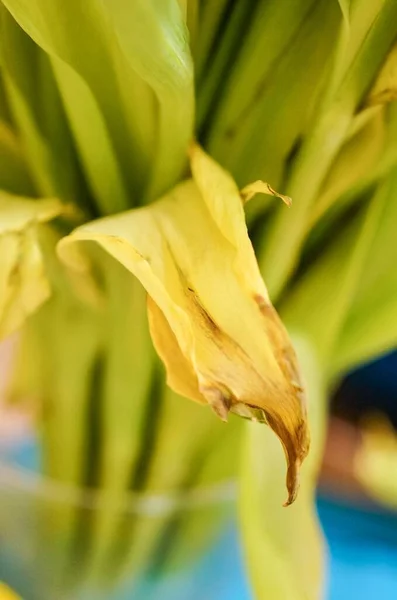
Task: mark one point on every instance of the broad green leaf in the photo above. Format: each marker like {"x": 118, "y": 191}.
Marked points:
{"x": 166, "y": 65}
{"x": 92, "y": 140}
{"x": 101, "y": 33}
{"x": 23, "y": 282}
{"x": 385, "y": 160}
{"x": 353, "y": 72}
{"x": 197, "y": 284}
{"x": 370, "y": 330}
{"x": 358, "y": 157}
{"x": 39, "y": 115}
{"x": 325, "y": 295}
{"x": 82, "y": 39}
{"x": 261, "y": 110}
{"x": 364, "y": 19}
{"x": 19, "y": 58}
{"x": 283, "y": 547}
{"x": 371, "y": 325}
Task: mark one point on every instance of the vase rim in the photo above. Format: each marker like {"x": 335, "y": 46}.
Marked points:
{"x": 13, "y": 477}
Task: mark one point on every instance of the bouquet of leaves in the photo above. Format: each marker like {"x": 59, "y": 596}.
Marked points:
{"x": 139, "y": 139}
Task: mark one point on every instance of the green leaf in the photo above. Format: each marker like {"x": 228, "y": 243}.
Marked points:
{"x": 371, "y": 325}
{"x": 357, "y": 160}
{"x": 115, "y": 36}
{"x": 39, "y": 116}
{"x": 320, "y": 302}
{"x": 348, "y": 182}
{"x": 357, "y": 62}
{"x": 92, "y": 140}
{"x": 79, "y": 38}
{"x": 166, "y": 65}
{"x": 19, "y": 58}
{"x": 266, "y": 95}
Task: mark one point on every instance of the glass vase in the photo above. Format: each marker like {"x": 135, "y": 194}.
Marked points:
{"x": 58, "y": 542}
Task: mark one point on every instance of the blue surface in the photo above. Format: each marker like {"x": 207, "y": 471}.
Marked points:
{"x": 229, "y": 582}
{"x": 362, "y": 562}
{"x": 363, "y": 552}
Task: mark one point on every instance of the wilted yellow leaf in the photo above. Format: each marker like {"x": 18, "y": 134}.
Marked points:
{"x": 210, "y": 315}
{"x": 23, "y": 284}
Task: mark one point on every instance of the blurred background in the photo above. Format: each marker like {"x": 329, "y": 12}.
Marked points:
{"x": 359, "y": 522}
{"x": 356, "y": 509}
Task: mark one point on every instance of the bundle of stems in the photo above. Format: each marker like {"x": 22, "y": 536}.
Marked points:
{"x": 107, "y": 199}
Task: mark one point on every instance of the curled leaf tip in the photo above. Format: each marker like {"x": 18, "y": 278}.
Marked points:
{"x": 295, "y": 440}
{"x": 292, "y": 484}
{"x": 261, "y": 187}
{"x": 294, "y": 461}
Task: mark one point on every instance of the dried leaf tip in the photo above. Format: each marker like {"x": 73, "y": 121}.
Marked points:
{"x": 261, "y": 187}
{"x": 292, "y": 483}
